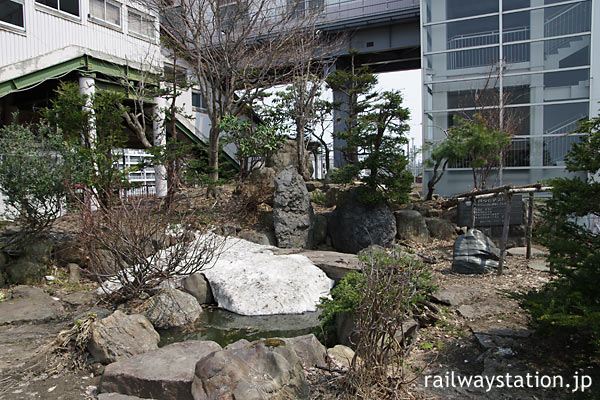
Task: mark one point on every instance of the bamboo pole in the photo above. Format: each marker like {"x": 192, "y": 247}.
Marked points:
{"x": 508, "y": 197}
{"x": 529, "y": 225}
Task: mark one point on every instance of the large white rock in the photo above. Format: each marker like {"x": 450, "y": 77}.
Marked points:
{"x": 248, "y": 279}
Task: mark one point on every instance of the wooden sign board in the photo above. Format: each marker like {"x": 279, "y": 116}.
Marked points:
{"x": 490, "y": 211}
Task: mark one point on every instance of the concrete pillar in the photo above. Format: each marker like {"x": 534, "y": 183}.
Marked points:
{"x": 160, "y": 139}
{"x": 537, "y": 60}
{"x": 87, "y": 86}
{"x": 339, "y": 125}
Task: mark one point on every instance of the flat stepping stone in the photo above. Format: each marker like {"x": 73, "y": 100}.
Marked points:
{"x": 29, "y": 304}
{"x": 335, "y": 265}
{"x": 166, "y": 373}
{"x": 479, "y": 310}
{"x": 504, "y": 329}
{"x": 454, "y": 295}
{"x": 522, "y": 252}
{"x": 539, "y": 265}
{"x": 117, "y": 396}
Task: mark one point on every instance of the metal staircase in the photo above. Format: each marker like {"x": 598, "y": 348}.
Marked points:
{"x": 574, "y": 18}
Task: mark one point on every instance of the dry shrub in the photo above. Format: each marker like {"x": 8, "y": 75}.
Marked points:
{"x": 137, "y": 243}
{"x": 251, "y": 196}
{"x": 71, "y": 344}
{"x": 392, "y": 285}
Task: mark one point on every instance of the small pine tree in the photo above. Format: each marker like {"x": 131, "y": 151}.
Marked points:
{"x": 375, "y": 139}
{"x": 570, "y": 303}
{"x": 481, "y": 145}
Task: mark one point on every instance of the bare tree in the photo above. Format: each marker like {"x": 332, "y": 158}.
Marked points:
{"x": 237, "y": 49}
{"x": 322, "y": 126}
{"x": 135, "y": 244}
{"x": 490, "y": 103}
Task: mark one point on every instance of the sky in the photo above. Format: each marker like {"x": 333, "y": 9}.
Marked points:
{"x": 409, "y": 83}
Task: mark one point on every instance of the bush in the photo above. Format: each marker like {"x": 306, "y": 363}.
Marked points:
{"x": 380, "y": 298}
{"x": 136, "y": 244}
{"x": 32, "y": 175}
{"x": 570, "y": 303}
{"x": 375, "y": 138}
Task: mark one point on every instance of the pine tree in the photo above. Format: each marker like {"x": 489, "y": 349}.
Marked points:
{"x": 570, "y": 303}
{"x": 375, "y": 138}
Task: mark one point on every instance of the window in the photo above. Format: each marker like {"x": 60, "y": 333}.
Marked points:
{"x": 68, "y": 6}
{"x": 106, "y": 11}
{"x": 12, "y": 13}
{"x": 198, "y": 101}
{"x": 180, "y": 76}
{"x": 231, "y": 12}
{"x": 304, "y": 8}
{"x": 140, "y": 24}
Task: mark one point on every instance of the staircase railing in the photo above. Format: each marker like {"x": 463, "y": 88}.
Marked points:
{"x": 567, "y": 126}
{"x": 575, "y": 18}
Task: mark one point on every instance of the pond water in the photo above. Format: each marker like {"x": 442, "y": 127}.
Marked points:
{"x": 225, "y": 327}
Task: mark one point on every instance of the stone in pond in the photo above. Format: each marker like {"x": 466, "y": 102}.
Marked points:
{"x": 248, "y": 279}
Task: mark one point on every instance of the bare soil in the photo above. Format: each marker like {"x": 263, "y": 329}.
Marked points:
{"x": 483, "y": 332}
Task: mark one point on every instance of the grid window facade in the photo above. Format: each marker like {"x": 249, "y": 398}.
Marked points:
{"x": 526, "y": 59}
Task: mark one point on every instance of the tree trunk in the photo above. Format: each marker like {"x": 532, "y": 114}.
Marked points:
{"x": 301, "y": 149}
{"x": 435, "y": 178}
{"x": 213, "y": 153}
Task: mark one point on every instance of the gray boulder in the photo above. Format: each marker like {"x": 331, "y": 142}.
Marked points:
{"x": 475, "y": 253}
{"x": 25, "y": 271}
{"x": 264, "y": 238}
{"x": 266, "y": 369}
{"x": 353, "y": 225}
{"x": 293, "y": 216}
{"x": 320, "y": 229}
{"x": 29, "y": 304}
{"x": 308, "y": 349}
{"x": 441, "y": 229}
{"x": 120, "y": 336}
{"x": 335, "y": 265}
{"x": 198, "y": 286}
{"x": 287, "y": 156}
{"x": 410, "y": 225}
{"x": 166, "y": 373}
{"x": 341, "y": 355}
{"x": 263, "y": 176}
{"x": 171, "y": 308}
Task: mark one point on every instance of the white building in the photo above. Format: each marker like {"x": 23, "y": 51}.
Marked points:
{"x": 537, "y": 59}
{"x": 94, "y": 42}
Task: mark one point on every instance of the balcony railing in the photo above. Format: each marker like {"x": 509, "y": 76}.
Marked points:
{"x": 575, "y": 18}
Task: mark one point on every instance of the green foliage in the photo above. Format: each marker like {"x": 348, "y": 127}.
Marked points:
{"x": 68, "y": 113}
{"x": 32, "y": 175}
{"x": 480, "y": 145}
{"x": 570, "y": 303}
{"x": 376, "y": 125}
{"x": 89, "y": 154}
{"x": 349, "y": 294}
{"x": 345, "y": 297}
{"x": 254, "y": 142}
{"x": 319, "y": 197}
{"x": 378, "y": 141}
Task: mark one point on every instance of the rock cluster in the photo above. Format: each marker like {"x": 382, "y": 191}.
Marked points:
{"x": 353, "y": 226}
{"x": 202, "y": 370}
{"x": 474, "y": 253}
{"x": 293, "y": 217}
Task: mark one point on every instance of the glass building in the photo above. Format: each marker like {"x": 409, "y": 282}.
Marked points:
{"x": 529, "y": 63}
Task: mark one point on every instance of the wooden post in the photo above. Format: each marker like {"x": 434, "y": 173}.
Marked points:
{"x": 472, "y": 213}
{"x": 529, "y": 225}
{"x": 508, "y": 197}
